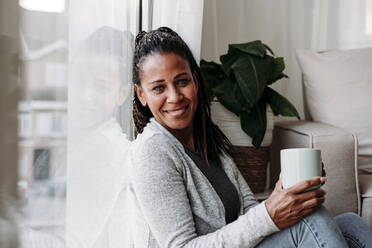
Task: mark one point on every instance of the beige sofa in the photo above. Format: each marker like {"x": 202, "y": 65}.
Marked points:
{"x": 338, "y": 107}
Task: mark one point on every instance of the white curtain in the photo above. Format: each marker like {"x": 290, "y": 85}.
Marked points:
{"x": 184, "y": 17}
{"x": 286, "y": 25}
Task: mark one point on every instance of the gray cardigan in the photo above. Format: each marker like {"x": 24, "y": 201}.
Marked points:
{"x": 176, "y": 206}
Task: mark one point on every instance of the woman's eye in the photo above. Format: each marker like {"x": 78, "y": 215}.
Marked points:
{"x": 158, "y": 89}
{"x": 183, "y": 81}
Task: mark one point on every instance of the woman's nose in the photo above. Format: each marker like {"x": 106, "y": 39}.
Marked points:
{"x": 174, "y": 95}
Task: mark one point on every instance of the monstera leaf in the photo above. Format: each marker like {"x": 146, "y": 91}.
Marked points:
{"x": 213, "y": 75}
{"x": 254, "y": 123}
{"x": 241, "y": 82}
{"x": 277, "y": 71}
{"x": 248, "y": 72}
{"x": 279, "y": 104}
{"x": 225, "y": 93}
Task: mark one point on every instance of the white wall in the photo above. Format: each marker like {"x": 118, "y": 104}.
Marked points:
{"x": 285, "y": 25}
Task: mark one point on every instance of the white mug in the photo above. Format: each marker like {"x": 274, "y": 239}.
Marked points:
{"x": 299, "y": 164}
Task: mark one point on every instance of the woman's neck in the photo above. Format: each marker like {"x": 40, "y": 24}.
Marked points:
{"x": 185, "y": 136}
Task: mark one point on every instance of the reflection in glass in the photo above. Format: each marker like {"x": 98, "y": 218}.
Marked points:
{"x": 98, "y": 93}
{"x": 74, "y": 121}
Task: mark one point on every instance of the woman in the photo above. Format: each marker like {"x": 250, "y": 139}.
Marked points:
{"x": 187, "y": 190}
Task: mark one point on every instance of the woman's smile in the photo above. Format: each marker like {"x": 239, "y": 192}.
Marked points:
{"x": 177, "y": 112}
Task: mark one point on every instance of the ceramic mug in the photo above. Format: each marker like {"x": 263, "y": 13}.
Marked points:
{"x": 299, "y": 164}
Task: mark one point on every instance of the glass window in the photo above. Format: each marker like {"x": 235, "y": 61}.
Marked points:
{"x": 74, "y": 120}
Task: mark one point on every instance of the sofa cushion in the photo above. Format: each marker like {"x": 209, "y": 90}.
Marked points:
{"x": 338, "y": 91}
{"x": 365, "y": 183}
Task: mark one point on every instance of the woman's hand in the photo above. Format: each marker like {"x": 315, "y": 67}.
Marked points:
{"x": 288, "y": 206}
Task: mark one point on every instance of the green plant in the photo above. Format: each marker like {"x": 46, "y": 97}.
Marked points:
{"x": 241, "y": 84}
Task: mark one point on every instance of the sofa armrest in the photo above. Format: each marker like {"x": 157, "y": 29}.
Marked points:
{"x": 339, "y": 154}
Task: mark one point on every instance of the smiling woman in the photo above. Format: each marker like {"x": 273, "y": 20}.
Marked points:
{"x": 186, "y": 189}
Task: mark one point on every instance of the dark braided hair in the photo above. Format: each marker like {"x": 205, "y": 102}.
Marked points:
{"x": 207, "y": 136}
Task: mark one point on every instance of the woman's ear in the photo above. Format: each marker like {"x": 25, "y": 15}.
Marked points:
{"x": 140, "y": 94}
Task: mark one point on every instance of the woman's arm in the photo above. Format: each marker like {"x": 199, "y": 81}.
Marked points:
{"x": 159, "y": 187}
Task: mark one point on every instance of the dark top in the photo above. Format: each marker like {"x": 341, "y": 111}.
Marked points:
{"x": 221, "y": 184}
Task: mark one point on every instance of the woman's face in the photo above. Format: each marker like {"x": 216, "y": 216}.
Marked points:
{"x": 169, "y": 89}
{"x": 97, "y": 91}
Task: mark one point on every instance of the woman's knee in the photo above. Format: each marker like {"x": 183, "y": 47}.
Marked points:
{"x": 347, "y": 217}
{"x": 354, "y": 229}
{"x": 347, "y": 221}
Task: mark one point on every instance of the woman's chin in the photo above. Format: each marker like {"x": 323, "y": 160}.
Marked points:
{"x": 178, "y": 126}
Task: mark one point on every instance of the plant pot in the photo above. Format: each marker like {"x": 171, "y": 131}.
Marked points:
{"x": 229, "y": 123}
{"x": 251, "y": 162}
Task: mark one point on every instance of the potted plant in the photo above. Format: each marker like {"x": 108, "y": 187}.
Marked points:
{"x": 241, "y": 83}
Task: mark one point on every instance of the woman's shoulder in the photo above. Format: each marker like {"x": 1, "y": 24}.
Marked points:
{"x": 152, "y": 142}
{"x": 153, "y": 152}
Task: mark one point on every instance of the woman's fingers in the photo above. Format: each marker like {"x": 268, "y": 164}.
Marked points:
{"x": 317, "y": 193}
{"x": 304, "y": 185}
{"x": 312, "y": 203}
{"x": 306, "y": 212}
{"x": 301, "y": 210}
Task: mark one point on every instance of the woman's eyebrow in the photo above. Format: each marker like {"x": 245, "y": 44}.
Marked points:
{"x": 180, "y": 74}
{"x": 157, "y": 81}
{"x": 162, "y": 80}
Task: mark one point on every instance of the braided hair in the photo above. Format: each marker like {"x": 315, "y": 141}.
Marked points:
{"x": 207, "y": 136}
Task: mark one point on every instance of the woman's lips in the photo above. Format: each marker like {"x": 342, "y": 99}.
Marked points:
{"x": 177, "y": 112}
